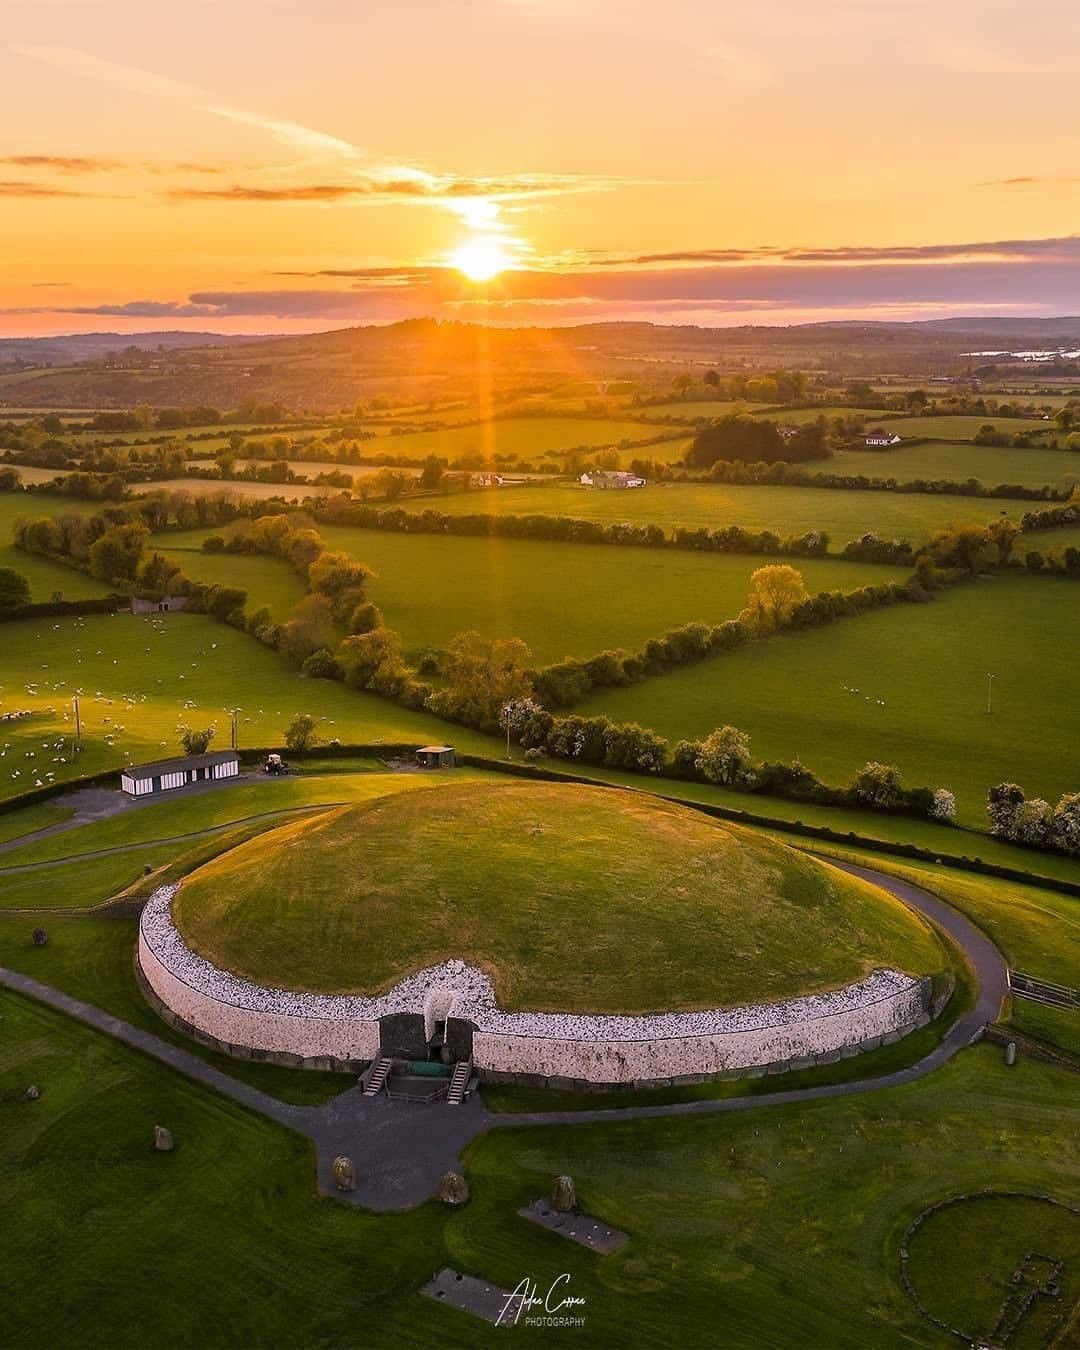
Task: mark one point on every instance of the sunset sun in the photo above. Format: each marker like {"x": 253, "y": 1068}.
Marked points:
{"x": 480, "y": 259}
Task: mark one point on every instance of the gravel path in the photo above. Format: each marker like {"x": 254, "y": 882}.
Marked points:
{"x": 401, "y": 1150}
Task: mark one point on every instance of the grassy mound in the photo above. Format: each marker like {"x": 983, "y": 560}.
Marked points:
{"x": 572, "y": 898}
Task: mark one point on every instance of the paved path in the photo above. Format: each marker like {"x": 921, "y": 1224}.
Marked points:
{"x": 401, "y": 1149}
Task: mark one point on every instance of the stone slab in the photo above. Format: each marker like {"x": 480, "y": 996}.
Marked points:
{"x": 578, "y": 1227}
{"x": 468, "y": 1294}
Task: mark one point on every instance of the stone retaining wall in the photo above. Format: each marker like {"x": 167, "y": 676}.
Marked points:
{"x": 568, "y": 1049}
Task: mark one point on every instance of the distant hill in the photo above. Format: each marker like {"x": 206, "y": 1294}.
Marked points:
{"x": 67, "y": 349}
{"x": 425, "y": 361}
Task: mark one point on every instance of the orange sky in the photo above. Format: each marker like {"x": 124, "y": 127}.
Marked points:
{"x": 259, "y": 166}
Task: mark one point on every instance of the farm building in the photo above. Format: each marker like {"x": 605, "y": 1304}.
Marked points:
{"x": 611, "y": 478}
{"x": 879, "y": 438}
{"x": 139, "y": 780}
{"x": 435, "y": 757}
{"x": 162, "y": 606}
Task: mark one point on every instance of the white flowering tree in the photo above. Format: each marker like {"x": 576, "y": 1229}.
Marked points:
{"x": 943, "y": 807}
{"x": 1066, "y": 824}
{"x": 724, "y": 755}
{"x": 878, "y": 785}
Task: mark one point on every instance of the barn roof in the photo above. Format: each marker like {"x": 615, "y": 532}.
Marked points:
{"x": 160, "y": 766}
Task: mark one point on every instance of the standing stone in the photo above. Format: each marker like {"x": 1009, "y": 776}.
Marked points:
{"x": 1010, "y": 1053}
{"x": 563, "y": 1195}
{"x": 39, "y": 937}
{"x": 163, "y": 1140}
{"x": 33, "y": 1092}
{"x": 344, "y": 1173}
{"x": 453, "y": 1189}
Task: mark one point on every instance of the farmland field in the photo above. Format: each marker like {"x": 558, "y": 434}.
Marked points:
{"x": 842, "y": 514}
{"x": 526, "y": 437}
{"x": 794, "y": 417}
{"x": 44, "y": 577}
{"x": 140, "y": 678}
{"x": 563, "y": 599}
{"x": 928, "y": 667}
{"x": 964, "y": 427}
{"x": 960, "y": 460}
{"x": 1050, "y": 541}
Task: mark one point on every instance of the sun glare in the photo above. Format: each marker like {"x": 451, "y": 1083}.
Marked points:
{"x": 480, "y": 259}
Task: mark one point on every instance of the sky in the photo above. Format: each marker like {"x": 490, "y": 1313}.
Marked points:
{"x": 253, "y": 166}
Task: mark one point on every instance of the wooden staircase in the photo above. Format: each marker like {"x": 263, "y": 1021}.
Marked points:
{"x": 459, "y": 1081}
{"x": 379, "y": 1074}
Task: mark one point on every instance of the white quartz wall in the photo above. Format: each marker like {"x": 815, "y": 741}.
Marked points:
{"x": 598, "y": 1049}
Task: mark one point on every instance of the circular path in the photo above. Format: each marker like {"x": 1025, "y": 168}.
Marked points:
{"x": 401, "y": 1150}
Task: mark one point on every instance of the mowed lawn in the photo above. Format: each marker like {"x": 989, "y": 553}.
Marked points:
{"x": 735, "y": 1220}
{"x": 613, "y": 896}
{"x": 920, "y": 678}
{"x": 842, "y": 514}
{"x": 563, "y": 599}
{"x": 140, "y": 679}
{"x": 959, "y": 461}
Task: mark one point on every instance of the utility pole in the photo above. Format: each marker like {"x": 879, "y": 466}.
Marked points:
{"x": 989, "y": 693}
{"x": 232, "y": 730}
{"x": 78, "y": 721}
{"x": 506, "y": 723}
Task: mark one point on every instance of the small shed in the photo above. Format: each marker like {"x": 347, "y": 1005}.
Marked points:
{"x": 435, "y": 757}
{"x": 139, "y": 780}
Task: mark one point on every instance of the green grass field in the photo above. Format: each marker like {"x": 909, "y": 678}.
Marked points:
{"x": 963, "y": 428}
{"x": 268, "y": 581}
{"x": 141, "y": 678}
{"x": 1050, "y": 541}
{"x": 527, "y": 437}
{"x": 563, "y": 599}
{"x": 608, "y": 891}
{"x": 960, "y": 460}
{"x": 928, "y": 664}
{"x": 735, "y": 1221}
{"x": 44, "y": 577}
{"x": 843, "y": 515}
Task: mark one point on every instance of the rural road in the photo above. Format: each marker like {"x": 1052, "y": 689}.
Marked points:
{"x": 401, "y": 1150}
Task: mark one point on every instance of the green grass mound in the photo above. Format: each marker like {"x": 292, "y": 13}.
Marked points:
{"x": 571, "y": 898}
{"x": 1001, "y": 1269}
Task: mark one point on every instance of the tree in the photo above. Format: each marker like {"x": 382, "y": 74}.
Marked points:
{"x": 309, "y": 627}
{"x": 158, "y": 574}
{"x": 1002, "y": 804}
{"x": 775, "y": 591}
{"x": 724, "y": 756}
{"x": 117, "y": 554}
{"x": 1065, "y": 831}
{"x": 432, "y": 472}
{"x": 14, "y": 590}
{"x": 878, "y": 785}
{"x": 482, "y": 677}
{"x": 300, "y": 735}
{"x": 196, "y": 742}
{"x": 943, "y": 807}
{"x": 1003, "y": 533}
{"x": 371, "y": 659}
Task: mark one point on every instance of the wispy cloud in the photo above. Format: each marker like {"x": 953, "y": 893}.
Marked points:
{"x": 1027, "y": 180}
{"x": 1064, "y": 247}
{"x": 62, "y": 163}
{"x": 1022, "y": 276}
{"x": 425, "y": 188}
{"x": 15, "y": 188}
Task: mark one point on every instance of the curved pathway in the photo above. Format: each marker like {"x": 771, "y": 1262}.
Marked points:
{"x": 141, "y": 844}
{"x": 401, "y": 1150}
